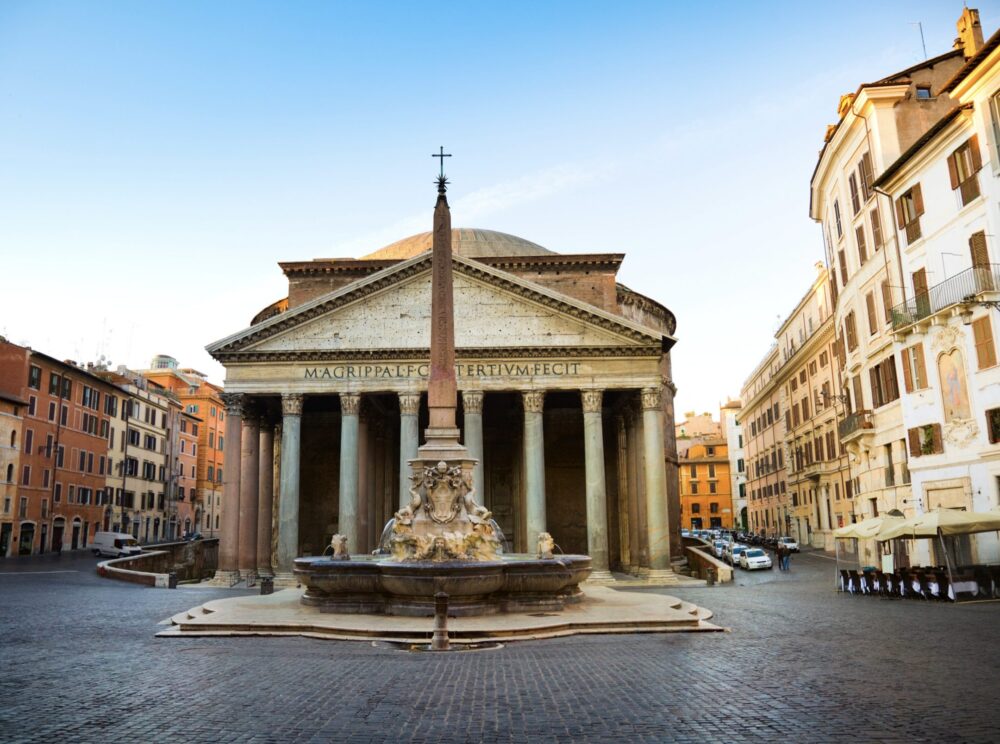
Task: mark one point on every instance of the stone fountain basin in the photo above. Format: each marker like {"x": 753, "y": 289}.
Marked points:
{"x": 370, "y": 584}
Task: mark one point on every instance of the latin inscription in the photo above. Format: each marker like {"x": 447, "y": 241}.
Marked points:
{"x": 462, "y": 370}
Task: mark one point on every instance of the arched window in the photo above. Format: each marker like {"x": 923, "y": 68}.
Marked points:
{"x": 13, "y": 439}
{"x": 10, "y": 473}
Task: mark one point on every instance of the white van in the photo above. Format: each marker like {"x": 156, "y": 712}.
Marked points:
{"x": 115, "y": 544}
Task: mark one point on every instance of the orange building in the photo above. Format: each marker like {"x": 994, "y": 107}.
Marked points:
{"x": 186, "y": 468}
{"x": 706, "y": 488}
{"x": 201, "y": 400}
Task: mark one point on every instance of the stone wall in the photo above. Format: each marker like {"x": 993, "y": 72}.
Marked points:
{"x": 191, "y": 561}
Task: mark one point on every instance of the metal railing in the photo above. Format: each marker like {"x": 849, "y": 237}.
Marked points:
{"x": 854, "y": 423}
{"x": 963, "y": 286}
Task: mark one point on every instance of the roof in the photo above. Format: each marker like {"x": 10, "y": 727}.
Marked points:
{"x": 991, "y": 43}
{"x": 913, "y": 149}
{"x": 468, "y": 242}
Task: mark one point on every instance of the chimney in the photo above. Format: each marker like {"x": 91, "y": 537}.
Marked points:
{"x": 970, "y": 33}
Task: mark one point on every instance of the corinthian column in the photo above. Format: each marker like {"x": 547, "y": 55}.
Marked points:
{"x": 657, "y": 527}
{"x": 229, "y": 540}
{"x": 409, "y": 440}
{"x": 347, "y": 515}
{"x": 288, "y": 503}
{"x": 597, "y": 507}
{"x": 472, "y": 404}
{"x": 266, "y": 499}
{"x": 534, "y": 465}
{"x": 249, "y": 482}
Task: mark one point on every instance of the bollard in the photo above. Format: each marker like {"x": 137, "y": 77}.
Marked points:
{"x": 439, "y": 642}
{"x": 172, "y": 580}
{"x": 710, "y": 575}
{"x": 266, "y": 585}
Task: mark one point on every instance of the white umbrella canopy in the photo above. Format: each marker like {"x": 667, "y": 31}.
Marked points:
{"x": 868, "y": 528}
{"x": 943, "y": 522}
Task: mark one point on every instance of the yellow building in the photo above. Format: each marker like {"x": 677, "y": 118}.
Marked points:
{"x": 706, "y": 487}
{"x": 11, "y": 408}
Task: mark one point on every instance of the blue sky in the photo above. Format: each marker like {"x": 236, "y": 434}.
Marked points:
{"x": 153, "y": 155}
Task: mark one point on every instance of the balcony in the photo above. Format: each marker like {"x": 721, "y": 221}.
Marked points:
{"x": 854, "y": 425}
{"x": 962, "y": 287}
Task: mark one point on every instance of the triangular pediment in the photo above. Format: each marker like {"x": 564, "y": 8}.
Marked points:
{"x": 390, "y": 310}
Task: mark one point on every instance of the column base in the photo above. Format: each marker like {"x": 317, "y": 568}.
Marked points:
{"x": 265, "y": 572}
{"x": 226, "y": 579}
{"x": 601, "y": 576}
{"x": 661, "y": 576}
{"x": 284, "y": 580}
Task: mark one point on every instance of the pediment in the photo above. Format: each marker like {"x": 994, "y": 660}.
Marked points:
{"x": 390, "y": 310}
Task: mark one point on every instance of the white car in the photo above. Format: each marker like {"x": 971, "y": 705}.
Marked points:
{"x": 719, "y": 548}
{"x": 733, "y": 551}
{"x": 755, "y": 558}
{"x": 789, "y": 543}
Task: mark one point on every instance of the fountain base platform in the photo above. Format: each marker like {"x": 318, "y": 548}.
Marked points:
{"x": 373, "y": 585}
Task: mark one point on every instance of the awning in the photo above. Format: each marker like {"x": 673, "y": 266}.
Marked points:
{"x": 868, "y": 528}
{"x": 943, "y": 522}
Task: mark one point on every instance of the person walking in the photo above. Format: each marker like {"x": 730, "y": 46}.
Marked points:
{"x": 779, "y": 556}
{"x": 787, "y": 558}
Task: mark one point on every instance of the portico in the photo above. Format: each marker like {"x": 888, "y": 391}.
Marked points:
{"x": 564, "y": 403}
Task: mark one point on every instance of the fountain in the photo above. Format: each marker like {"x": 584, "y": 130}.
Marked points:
{"x": 442, "y": 540}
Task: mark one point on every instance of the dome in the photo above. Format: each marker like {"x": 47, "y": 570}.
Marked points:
{"x": 468, "y": 242}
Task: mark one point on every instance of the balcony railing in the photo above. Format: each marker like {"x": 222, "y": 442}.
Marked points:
{"x": 963, "y": 286}
{"x": 854, "y": 424}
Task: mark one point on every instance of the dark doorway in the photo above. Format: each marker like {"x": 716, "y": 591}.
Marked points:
{"x": 26, "y": 539}
{"x": 76, "y": 537}
{"x": 5, "y": 531}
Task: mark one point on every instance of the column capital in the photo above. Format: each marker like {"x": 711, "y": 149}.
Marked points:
{"x": 349, "y": 404}
{"x": 534, "y": 400}
{"x": 592, "y": 400}
{"x": 472, "y": 401}
{"x": 409, "y": 404}
{"x": 234, "y": 403}
{"x": 652, "y": 398}
{"x": 291, "y": 404}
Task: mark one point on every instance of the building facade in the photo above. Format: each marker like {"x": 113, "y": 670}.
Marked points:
{"x": 729, "y": 418}
{"x": 705, "y": 485}
{"x": 11, "y": 420}
{"x": 564, "y": 377}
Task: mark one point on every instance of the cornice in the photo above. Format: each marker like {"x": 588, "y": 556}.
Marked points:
{"x": 422, "y": 355}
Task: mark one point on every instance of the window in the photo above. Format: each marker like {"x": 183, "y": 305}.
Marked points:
{"x": 909, "y": 207}
{"x": 884, "y": 385}
{"x": 711, "y": 470}
{"x": 862, "y": 248}
{"x": 982, "y": 332}
{"x": 53, "y": 383}
{"x": 963, "y": 165}
{"x": 992, "y": 425}
{"x": 212, "y": 409}
{"x": 995, "y": 121}
{"x": 850, "y": 331}
{"x": 713, "y": 507}
{"x": 923, "y": 94}
{"x": 982, "y": 271}
{"x": 866, "y": 175}
{"x": 887, "y": 301}
{"x": 694, "y": 472}
{"x": 26, "y": 476}
{"x": 852, "y": 183}
{"x": 694, "y": 487}
{"x": 211, "y": 472}
{"x": 211, "y": 439}
{"x": 877, "y": 240}
{"x": 914, "y": 371}
{"x": 34, "y": 377}
{"x": 29, "y": 440}
{"x": 67, "y": 388}
{"x": 872, "y": 313}
{"x": 836, "y": 218}
{"x": 842, "y": 260}
{"x": 925, "y": 440}
{"x": 713, "y": 487}
{"x": 52, "y": 411}
{"x": 920, "y": 294}
{"x": 696, "y": 508}
{"x": 710, "y": 451}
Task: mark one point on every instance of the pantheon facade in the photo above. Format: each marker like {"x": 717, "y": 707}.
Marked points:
{"x": 565, "y": 399}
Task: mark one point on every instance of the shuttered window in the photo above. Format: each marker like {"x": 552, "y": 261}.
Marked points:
{"x": 851, "y": 332}
{"x": 982, "y": 332}
{"x": 852, "y": 182}
{"x": 909, "y": 208}
{"x": 836, "y": 219}
{"x": 867, "y": 176}
{"x": 963, "y": 166}
{"x": 914, "y": 371}
{"x": 925, "y": 440}
{"x": 982, "y": 271}
{"x": 887, "y": 301}
{"x": 877, "y": 240}
{"x": 843, "y": 267}
{"x": 872, "y": 313}
{"x": 920, "y": 293}
{"x": 859, "y": 233}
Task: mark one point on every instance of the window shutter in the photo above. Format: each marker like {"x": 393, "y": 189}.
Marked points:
{"x": 891, "y": 379}
{"x": 866, "y": 173}
{"x": 982, "y": 333}
{"x": 862, "y": 248}
{"x": 953, "y": 171}
{"x": 977, "y": 158}
{"x": 876, "y": 229}
{"x": 872, "y": 317}
{"x": 876, "y": 397}
{"x": 977, "y": 246}
{"x": 918, "y": 355}
{"x": 937, "y": 445}
{"x": 887, "y": 301}
{"x": 918, "y": 199}
{"x": 859, "y": 401}
{"x": 913, "y": 435}
{"x": 900, "y": 214}
{"x": 907, "y": 355}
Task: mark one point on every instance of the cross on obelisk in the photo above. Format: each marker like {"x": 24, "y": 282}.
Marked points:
{"x": 442, "y": 388}
{"x": 442, "y": 155}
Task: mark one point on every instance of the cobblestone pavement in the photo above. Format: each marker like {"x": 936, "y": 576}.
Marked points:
{"x": 801, "y": 664}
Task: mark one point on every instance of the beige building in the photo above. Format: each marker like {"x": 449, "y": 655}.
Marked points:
{"x": 565, "y": 391}
{"x": 11, "y": 424}
{"x": 764, "y": 447}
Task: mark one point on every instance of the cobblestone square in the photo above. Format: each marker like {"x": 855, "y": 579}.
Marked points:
{"x": 801, "y": 663}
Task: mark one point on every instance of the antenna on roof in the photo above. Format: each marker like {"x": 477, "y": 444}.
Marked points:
{"x": 923, "y": 44}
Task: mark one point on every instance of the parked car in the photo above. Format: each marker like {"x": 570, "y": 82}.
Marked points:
{"x": 685, "y": 532}
{"x": 733, "y": 551}
{"x": 114, "y": 544}
{"x": 755, "y": 558}
{"x": 719, "y": 548}
{"x": 789, "y": 543}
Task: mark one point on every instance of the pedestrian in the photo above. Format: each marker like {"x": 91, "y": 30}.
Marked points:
{"x": 779, "y": 557}
{"x": 788, "y": 559}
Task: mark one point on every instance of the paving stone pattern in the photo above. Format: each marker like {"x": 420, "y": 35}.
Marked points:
{"x": 801, "y": 664}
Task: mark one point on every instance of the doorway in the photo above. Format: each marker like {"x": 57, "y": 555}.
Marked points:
{"x": 76, "y": 536}
{"x": 26, "y": 539}
{"x": 5, "y": 532}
